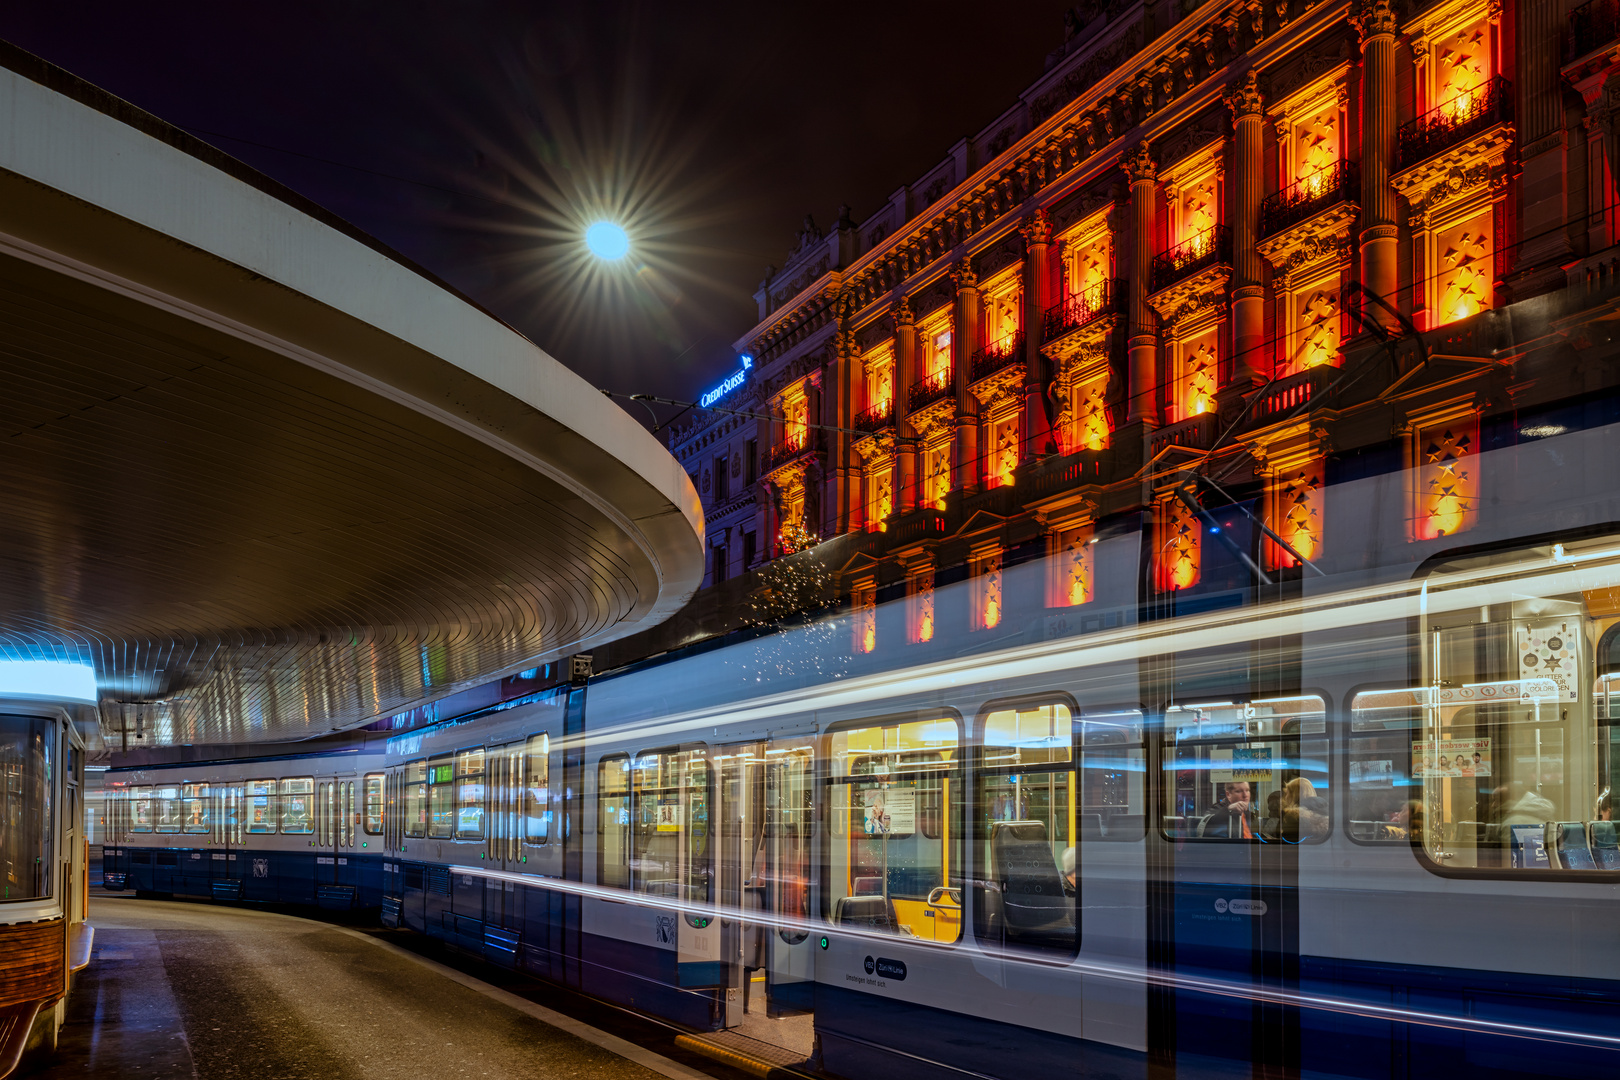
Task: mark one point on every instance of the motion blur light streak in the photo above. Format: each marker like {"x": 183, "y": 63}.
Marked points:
{"x": 607, "y": 241}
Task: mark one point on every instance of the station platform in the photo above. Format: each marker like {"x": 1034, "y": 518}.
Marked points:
{"x": 177, "y": 989}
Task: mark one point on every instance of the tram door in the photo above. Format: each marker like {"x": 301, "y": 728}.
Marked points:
{"x": 765, "y": 849}
{"x": 506, "y": 786}
{"x": 226, "y": 834}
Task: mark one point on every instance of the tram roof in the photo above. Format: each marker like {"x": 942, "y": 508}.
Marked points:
{"x": 268, "y": 477}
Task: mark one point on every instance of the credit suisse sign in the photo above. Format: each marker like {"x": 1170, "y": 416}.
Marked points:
{"x": 733, "y": 381}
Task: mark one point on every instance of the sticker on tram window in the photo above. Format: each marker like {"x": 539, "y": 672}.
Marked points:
{"x": 669, "y": 815}
{"x": 891, "y": 810}
{"x": 1241, "y": 765}
{"x": 1436, "y": 758}
{"x": 1549, "y": 654}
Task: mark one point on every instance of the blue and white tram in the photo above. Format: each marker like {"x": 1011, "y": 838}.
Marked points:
{"x": 1361, "y": 830}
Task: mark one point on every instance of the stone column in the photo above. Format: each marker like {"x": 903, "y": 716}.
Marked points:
{"x": 849, "y": 378}
{"x": 1142, "y": 327}
{"x": 1379, "y": 233}
{"x": 1040, "y": 293}
{"x": 1247, "y": 182}
{"x": 965, "y": 466}
{"x": 905, "y": 376}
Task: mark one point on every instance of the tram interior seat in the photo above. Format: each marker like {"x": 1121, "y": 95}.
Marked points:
{"x": 1567, "y": 840}
{"x": 1034, "y": 908}
{"x": 1126, "y": 826}
{"x": 1091, "y": 827}
{"x": 1605, "y": 845}
{"x": 869, "y": 885}
{"x": 870, "y": 912}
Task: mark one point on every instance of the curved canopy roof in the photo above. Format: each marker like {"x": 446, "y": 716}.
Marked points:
{"x": 270, "y": 479}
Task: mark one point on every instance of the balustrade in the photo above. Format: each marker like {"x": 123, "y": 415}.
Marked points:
{"x": 1212, "y": 247}
{"x": 1338, "y": 183}
{"x": 1454, "y": 122}
{"x": 1081, "y": 308}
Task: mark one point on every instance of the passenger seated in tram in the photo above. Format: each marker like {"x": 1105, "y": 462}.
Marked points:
{"x": 1069, "y": 888}
{"x": 1230, "y": 817}
{"x": 1518, "y": 805}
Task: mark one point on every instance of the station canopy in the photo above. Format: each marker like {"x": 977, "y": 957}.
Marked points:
{"x": 269, "y": 479}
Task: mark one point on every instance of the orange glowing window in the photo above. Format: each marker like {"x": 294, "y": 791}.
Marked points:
{"x": 795, "y": 417}
{"x": 938, "y": 358}
{"x": 1315, "y": 147}
{"x": 987, "y": 608}
{"x": 1180, "y": 546}
{"x": 1317, "y": 321}
{"x": 1083, "y": 423}
{"x": 1295, "y": 513}
{"x": 1447, "y": 478}
{"x": 1198, "y": 208}
{"x": 936, "y": 474}
{"x": 1196, "y": 378}
{"x": 1003, "y": 316}
{"x": 864, "y": 603}
{"x": 1464, "y": 281}
{"x": 879, "y": 496}
{"x": 1072, "y": 572}
{"x": 922, "y": 606}
{"x": 1002, "y": 459}
{"x": 1088, "y": 263}
{"x": 880, "y": 381}
{"x": 1461, "y": 66}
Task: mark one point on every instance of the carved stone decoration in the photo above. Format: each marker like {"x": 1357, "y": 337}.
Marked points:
{"x": 1037, "y": 228}
{"x": 1302, "y": 250}
{"x": 1192, "y": 137}
{"x": 962, "y": 275}
{"x": 1376, "y": 17}
{"x": 876, "y": 446}
{"x": 1244, "y": 98}
{"x": 996, "y": 386}
{"x": 902, "y": 314}
{"x": 1191, "y": 302}
{"x": 1138, "y": 163}
{"x": 1452, "y": 176}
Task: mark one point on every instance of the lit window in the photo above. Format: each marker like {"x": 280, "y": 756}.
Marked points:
{"x": 1180, "y": 547}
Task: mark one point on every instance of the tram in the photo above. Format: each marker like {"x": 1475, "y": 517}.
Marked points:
{"x": 1359, "y": 828}
{"x": 46, "y": 708}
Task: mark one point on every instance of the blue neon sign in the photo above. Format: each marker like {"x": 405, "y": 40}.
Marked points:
{"x": 732, "y": 382}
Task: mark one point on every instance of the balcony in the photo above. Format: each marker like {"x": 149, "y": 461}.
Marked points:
{"x": 1591, "y": 26}
{"x": 1104, "y": 298}
{"x": 998, "y": 354}
{"x": 927, "y": 391}
{"x": 876, "y": 418}
{"x": 1283, "y": 396}
{"x": 791, "y": 449}
{"x": 1338, "y": 183}
{"x": 1454, "y": 123}
{"x": 1193, "y": 433}
{"x": 1212, "y": 247}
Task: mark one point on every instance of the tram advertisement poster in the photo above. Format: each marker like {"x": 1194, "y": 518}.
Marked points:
{"x": 1243, "y": 764}
{"x": 1548, "y": 653}
{"x": 1437, "y": 758}
{"x": 890, "y": 810}
{"x": 669, "y": 815}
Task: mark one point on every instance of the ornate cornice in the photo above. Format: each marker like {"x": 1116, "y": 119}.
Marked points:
{"x": 1190, "y": 301}
{"x": 1297, "y": 252}
{"x": 1454, "y": 175}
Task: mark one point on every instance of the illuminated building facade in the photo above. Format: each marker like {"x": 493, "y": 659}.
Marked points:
{"x": 1133, "y": 301}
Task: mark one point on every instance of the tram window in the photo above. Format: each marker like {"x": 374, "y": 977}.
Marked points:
{"x": 372, "y": 814}
{"x": 1024, "y": 829}
{"x": 166, "y": 805}
{"x": 670, "y": 826}
{"x": 790, "y": 826}
{"x": 537, "y": 790}
{"x": 416, "y": 799}
{"x": 297, "y": 810}
{"x": 1508, "y": 743}
{"x": 1247, "y": 770}
{"x": 441, "y": 781}
{"x": 196, "y": 815}
{"x": 140, "y": 809}
{"x": 470, "y": 794}
{"x": 895, "y": 861}
{"x": 27, "y": 818}
{"x": 613, "y": 821}
{"x": 261, "y": 805}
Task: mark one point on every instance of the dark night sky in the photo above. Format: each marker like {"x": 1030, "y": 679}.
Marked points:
{"x": 478, "y": 138}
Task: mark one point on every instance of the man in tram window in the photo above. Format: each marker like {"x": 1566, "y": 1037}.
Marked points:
{"x": 1229, "y": 818}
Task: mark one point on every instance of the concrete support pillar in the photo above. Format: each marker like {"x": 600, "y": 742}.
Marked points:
{"x": 1246, "y": 186}
{"x": 907, "y": 448}
{"x": 1543, "y": 145}
{"x": 1142, "y": 327}
{"x": 1040, "y": 293}
{"x": 965, "y": 468}
{"x": 1379, "y": 232}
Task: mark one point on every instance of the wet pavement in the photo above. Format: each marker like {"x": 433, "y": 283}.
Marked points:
{"x": 197, "y": 990}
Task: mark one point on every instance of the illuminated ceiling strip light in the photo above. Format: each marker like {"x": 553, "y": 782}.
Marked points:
{"x": 48, "y": 680}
